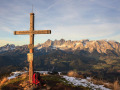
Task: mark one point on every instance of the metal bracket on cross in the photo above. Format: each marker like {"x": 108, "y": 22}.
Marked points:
{"x": 30, "y": 57}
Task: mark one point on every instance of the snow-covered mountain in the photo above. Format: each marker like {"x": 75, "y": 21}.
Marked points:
{"x": 7, "y": 47}
{"x": 100, "y": 45}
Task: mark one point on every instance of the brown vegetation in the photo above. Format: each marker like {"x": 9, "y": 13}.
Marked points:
{"x": 53, "y": 82}
{"x": 116, "y": 85}
{"x": 73, "y": 74}
{"x": 3, "y": 81}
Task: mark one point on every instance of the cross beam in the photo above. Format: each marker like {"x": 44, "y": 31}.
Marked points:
{"x": 31, "y": 32}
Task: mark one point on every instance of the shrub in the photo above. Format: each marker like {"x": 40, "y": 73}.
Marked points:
{"x": 3, "y": 81}
{"x": 116, "y": 85}
{"x": 73, "y": 74}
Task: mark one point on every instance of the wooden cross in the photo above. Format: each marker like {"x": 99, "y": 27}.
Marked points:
{"x": 31, "y": 32}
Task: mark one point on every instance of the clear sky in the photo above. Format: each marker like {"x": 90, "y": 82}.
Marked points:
{"x": 68, "y": 19}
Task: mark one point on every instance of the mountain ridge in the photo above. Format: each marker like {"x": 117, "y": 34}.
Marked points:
{"x": 64, "y": 55}
{"x": 90, "y": 45}
{"x": 100, "y": 45}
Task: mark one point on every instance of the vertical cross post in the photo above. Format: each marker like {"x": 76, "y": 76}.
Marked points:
{"x": 31, "y": 32}
{"x": 32, "y": 44}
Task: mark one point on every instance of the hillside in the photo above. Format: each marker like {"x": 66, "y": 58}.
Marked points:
{"x": 99, "y": 58}
{"x": 52, "y": 82}
{"x": 19, "y": 80}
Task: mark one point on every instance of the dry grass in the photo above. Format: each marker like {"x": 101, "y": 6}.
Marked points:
{"x": 3, "y": 81}
{"x": 116, "y": 85}
{"x": 25, "y": 75}
{"x": 113, "y": 86}
{"x": 108, "y": 85}
{"x": 73, "y": 74}
{"x": 99, "y": 82}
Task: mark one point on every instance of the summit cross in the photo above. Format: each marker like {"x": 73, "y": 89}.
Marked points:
{"x": 31, "y": 32}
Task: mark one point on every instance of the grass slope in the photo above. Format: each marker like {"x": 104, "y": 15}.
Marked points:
{"x": 55, "y": 82}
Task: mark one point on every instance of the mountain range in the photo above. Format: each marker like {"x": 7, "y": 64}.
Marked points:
{"x": 86, "y": 56}
{"x": 101, "y": 46}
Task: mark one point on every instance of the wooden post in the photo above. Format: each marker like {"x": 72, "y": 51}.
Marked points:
{"x": 32, "y": 44}
{"x": 31, "y": 32}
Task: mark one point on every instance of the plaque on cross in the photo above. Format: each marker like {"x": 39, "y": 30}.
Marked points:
{"x": 31, "y": 32}
{"x": 30, "y": 57}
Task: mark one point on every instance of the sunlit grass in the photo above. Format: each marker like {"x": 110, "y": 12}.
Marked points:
{"x": 5, "y": 82}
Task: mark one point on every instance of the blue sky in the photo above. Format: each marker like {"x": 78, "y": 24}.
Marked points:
{"x": 68, "y": 19}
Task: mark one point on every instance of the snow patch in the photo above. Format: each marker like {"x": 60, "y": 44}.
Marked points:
{"x": 39, "y": 48}
{"x": 77, "y": 43}
{"x": 72, "y": 80}
{"x": 15, "y": 74}
{"x": 61, "y": 46}
{"x": 53, "y": 47}
{"x": 42, "y": 72}
{"x": 85, "y": 83}
{"x": 84, "y": 44}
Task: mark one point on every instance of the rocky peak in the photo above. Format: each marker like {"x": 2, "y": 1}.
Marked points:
{"x": 7, "y": 47}
{"x": 100, "y": 45}
{"x": 62, "y": 41}
{"x": 48, "y": 42}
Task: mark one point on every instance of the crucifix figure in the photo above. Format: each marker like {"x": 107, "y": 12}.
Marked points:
{"x": 31, "y": 32}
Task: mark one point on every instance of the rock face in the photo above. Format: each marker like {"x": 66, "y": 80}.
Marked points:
{"x": 7, "y": 47}
{"x": 100, "y": 45}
